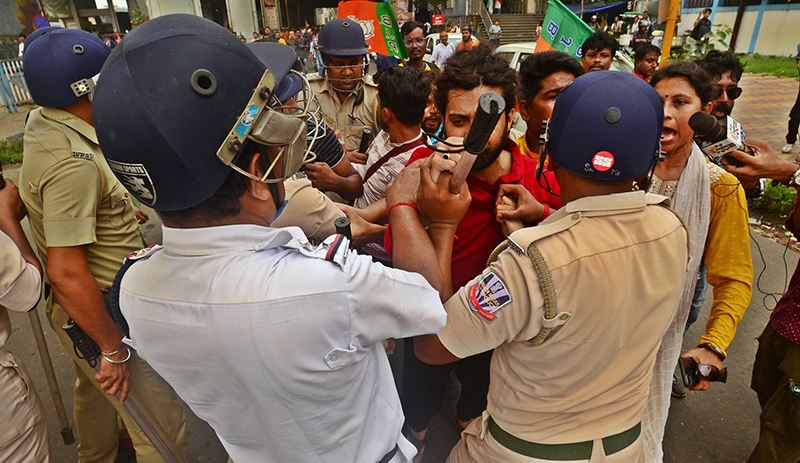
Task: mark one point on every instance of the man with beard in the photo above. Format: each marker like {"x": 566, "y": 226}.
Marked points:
{"x": 575, "y": 343}
{"x": 414, "y": 38}
{"x": 500, "y": 167}
{"x": 542, "y": 76}
{"x": 598, "y": 52}
{"x": 468, "y": 41}
{"x": 727, "y": 70}
{"x": 645, "y": 59}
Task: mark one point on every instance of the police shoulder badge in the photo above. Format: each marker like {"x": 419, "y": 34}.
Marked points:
{"x": 488, "y": 296}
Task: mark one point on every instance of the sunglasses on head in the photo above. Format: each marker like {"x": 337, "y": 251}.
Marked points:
{"x": 419, "y": 42}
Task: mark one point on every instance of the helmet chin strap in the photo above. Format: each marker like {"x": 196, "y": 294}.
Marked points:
{"x": 541, "y": 168}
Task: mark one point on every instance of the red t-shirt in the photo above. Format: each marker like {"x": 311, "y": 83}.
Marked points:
{"x": 479, "y": 233}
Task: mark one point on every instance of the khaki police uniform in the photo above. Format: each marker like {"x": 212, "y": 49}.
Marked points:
{"x": 73, "y": 199}
{"x": 307, "y": 208}
{"x": 23, "y": 434}
{"x": 358, "y": 112}
{"x": 616, "y": 264}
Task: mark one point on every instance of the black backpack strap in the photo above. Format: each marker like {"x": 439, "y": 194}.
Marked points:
{"x": 114, "y": 309}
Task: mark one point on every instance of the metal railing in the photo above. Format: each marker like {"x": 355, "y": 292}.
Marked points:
{"x": 14, "y": 89}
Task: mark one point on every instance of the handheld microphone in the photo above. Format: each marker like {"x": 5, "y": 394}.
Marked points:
{"x": 719, "y": 137}
{"x": 490, "y": 107}
{"x": 366, "y": 138}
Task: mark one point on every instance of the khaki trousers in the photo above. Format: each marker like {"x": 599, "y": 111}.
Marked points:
{"x": 96, "y": 412}
{"x": 23, "y": 433}
{"x": 477, "y": 445}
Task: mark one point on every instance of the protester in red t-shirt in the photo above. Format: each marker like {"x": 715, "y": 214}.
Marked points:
{"x": 467, "y": 77}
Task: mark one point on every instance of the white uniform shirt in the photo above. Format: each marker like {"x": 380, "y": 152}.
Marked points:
{"x": 280, "y": 352}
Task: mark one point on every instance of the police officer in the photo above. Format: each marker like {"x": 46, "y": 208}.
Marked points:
{"x": 575, "y": 307}
{"x": 274, "y": 342}
{"x": 83, "y": 224}
{"x": 23, "y": 436}
{"x": 346, "y": 93}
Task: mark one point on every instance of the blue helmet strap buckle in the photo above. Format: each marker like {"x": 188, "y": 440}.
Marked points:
{"x": 84, "y": 86}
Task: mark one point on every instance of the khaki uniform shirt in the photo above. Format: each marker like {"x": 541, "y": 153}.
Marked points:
{"x": 618, "y": 263}
{"x": 309, "y": 209}
{"x": 349, "y": 118}
{"x": 72, "y": 197}
{"x": 20, "y": 287}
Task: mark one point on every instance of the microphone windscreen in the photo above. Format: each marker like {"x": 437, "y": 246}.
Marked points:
{"x": 326, "y": 146}
{"x": 704, "y": 125}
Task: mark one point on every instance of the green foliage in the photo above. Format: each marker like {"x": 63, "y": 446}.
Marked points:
{"x": 718, "y": 37}
{"x": 778, "y": 66}
{"x": 11, "y": 151}
{"x": 137, "y": 18}
{"x": 777, "y": 199}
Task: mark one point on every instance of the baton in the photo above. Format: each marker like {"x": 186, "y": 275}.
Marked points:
{"x": 490, "y": 106}
{"x": 366, "y": 138}
{"x": 50, "y": 374}
{"x": 342, "y": 225}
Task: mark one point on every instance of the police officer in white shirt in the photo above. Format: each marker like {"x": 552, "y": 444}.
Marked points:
{"x": 276, "y": 343}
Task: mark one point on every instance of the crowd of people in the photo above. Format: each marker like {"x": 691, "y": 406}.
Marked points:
{"x": 554, "y": 283}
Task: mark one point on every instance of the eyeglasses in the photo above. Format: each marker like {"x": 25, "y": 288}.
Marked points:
{"x": 418, "y": 42}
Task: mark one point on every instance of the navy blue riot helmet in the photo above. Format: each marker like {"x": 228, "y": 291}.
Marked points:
{"x": 38, "y": 33}
{"x": 60, "y": 64}
{"x": 342, "y": 37}
{"x": 177, "y": 101}
{"x": 607, "y": 125}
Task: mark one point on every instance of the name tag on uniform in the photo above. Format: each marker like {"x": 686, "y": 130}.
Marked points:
{"x": 488, "y": 296}
{"x": 81, "y": 155}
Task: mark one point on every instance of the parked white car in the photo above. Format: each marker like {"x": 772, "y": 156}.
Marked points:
{"x": 514, "y": 53}
{"x": 433, "y": 39}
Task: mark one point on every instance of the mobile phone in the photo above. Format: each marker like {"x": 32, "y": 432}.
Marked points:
{"x": 689, "y": 373}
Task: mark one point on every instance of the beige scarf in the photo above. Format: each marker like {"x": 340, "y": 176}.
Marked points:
{"x": 693, "y": 203}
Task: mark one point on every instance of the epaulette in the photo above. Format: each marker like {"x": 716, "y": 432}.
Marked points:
{"x": 114, "y": 309}
{"x": 334, "y": 249}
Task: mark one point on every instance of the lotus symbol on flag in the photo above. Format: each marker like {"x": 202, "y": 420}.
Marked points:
{"x": 366, "y": 26}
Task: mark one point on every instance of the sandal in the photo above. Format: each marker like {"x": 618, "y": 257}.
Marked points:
{"x": 419, "y": 444}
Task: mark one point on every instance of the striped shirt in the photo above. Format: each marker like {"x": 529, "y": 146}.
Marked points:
{"x": 375, "y": 186}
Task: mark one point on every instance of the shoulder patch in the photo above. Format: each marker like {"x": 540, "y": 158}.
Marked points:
{"x": 82, "y": 155}
{"x": 334, "y": 249}
{"x": 134, "y": 178}
{"x": 488, "y": 296}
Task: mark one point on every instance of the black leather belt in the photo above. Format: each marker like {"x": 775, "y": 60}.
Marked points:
{"x": 386, "y": 458}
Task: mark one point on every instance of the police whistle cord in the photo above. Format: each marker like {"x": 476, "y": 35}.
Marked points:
{"x": 490, "y": 107}
{"x": 88, "y": 350}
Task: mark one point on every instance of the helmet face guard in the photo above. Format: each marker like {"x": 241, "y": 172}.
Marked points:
{"x": 336, "y": 84}
{"x": 273, "y": 125}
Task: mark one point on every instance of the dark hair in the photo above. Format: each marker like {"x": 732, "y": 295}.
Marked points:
{"x": 538, "y": 66}
{"x": 404, "y": 90}
{"x": 226, "y": 201}
{"x": 22, "y": 34}
{"x": 641, "y": 50}
{"x": 410, "y": 26}
{"x": 698, "y": 78}
{"x": 718, "y": 63}
{"x": 466, "y": 71}
{"x": 707, "y": 9}
{"x": 599, "y": 41}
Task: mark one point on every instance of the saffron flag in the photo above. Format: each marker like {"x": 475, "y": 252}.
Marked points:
{"x": 379, "y": 23}
{"x": 562, "y": 30}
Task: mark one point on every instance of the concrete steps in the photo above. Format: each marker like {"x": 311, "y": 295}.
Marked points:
{"x": 516, "y": 27}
